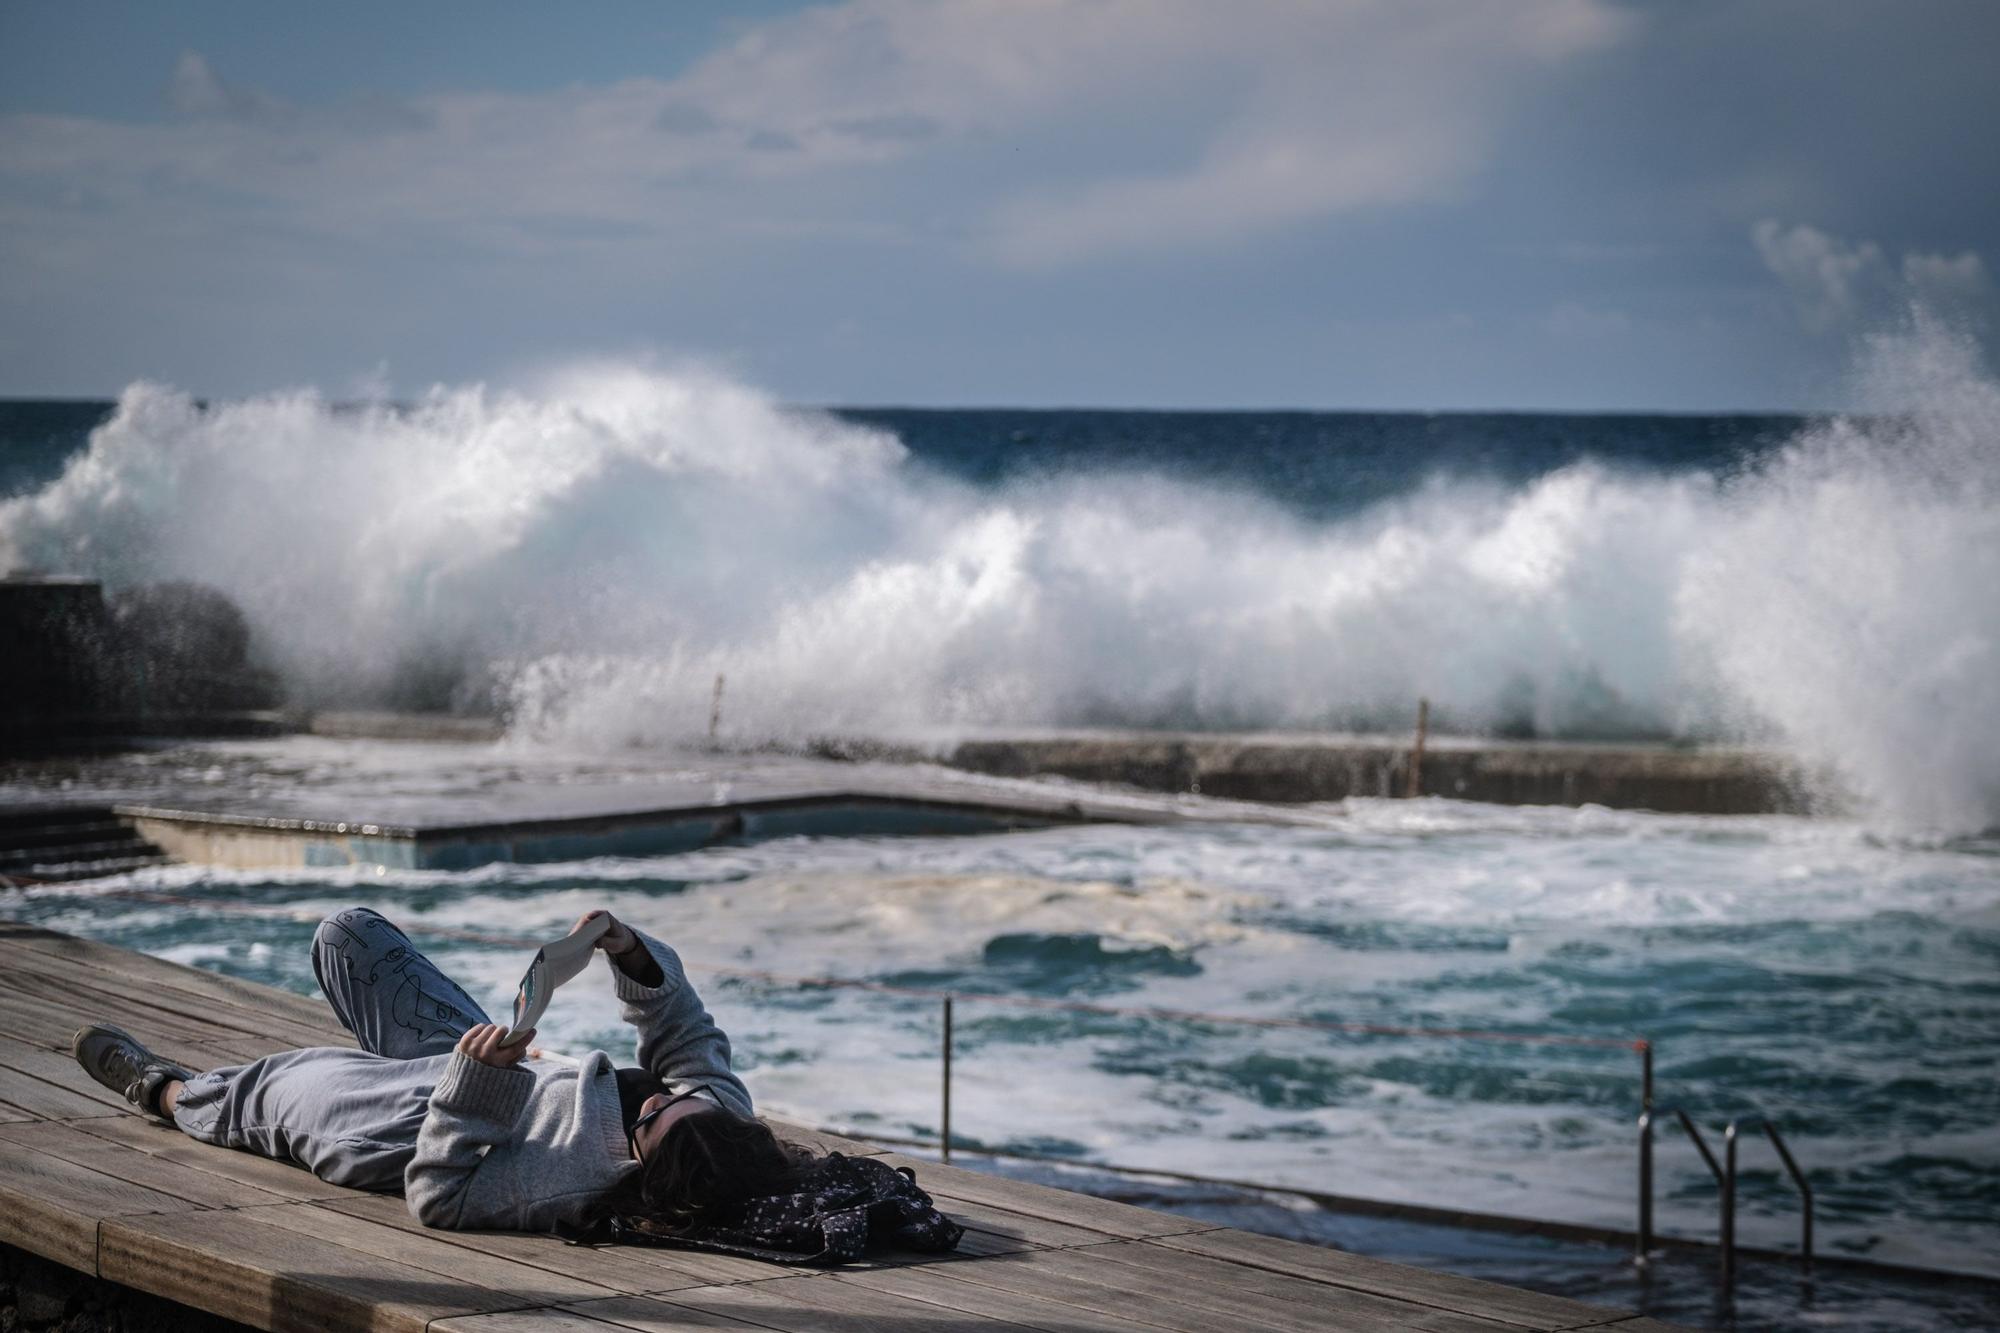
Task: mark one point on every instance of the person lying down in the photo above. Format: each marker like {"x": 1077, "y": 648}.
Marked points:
{"x": 482, "y": 1135}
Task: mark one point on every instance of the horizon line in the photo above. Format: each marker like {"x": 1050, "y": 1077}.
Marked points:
{"x": 110, "y": 400}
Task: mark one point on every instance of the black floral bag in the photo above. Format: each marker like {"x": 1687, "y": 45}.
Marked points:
{"x": 842, "y": 1207}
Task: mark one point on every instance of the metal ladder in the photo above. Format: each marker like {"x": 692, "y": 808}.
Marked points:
{"x": 1725, "y": 1176}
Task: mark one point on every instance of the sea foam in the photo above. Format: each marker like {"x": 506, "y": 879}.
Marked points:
{"x": 590, "y": 554}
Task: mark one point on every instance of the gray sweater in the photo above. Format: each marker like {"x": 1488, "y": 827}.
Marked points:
{"x": 526, "y": 1148}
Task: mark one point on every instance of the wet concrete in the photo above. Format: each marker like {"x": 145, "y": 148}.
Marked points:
{"x": 421, "y": 791}
{"x": 1296, "y": 768}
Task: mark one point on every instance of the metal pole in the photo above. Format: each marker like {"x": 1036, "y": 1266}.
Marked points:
{"x": 1729, "y": 1207}
{"x": 1645, "y": 1251}
{"x": 945, "y": 1150}
{"x": 1414, "y": 787}
{"x": 715, "y": 710}
{"x": 1645, "y": 1152}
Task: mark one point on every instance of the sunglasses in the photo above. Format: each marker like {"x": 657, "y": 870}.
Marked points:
{"x": 632, "y": 1135}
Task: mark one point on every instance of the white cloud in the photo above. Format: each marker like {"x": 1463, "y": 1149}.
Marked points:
{"x": 1830, "y": 280}
{"x": 1068, "y": 128}
{"x": 1839, "y": 285}
{"x": 197, "y": 92}
{"x": 1948, "y": 283}
{"x": 1352, "y": 107}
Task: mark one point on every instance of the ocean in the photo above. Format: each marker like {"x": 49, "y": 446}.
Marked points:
{"x": 585, "y": 557}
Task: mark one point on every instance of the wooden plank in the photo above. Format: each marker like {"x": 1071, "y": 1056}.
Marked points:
{"x": 634, "y": 1268}
{"x": 1164, "y": 1305}
{"x": 168, "y": 994}
{"x": 576, "y": 1320}
{"x": 96, "y": 991}
{"x": 525, "y": 1321}
{"x": 52, "y": 1207}
{"x": 821, "y": 1141}
{"x": 11, "y": 1114}
{"x": 821, "y": 1304}
{"x": 709, "y": 1269}
{"x": 694, "y": 1268}
{"x": 238, "y": 1266}
{"x": 248, "y": 996}
{"x": 531, "y": 1285}
{"x": 972, "y": 1245}
{"x": 647, "y": 1268}
{"x": 43, "y": 1100}
{"x": 1003, "y": 1231}
{"x": 1024, "y": 1307}
{"x": 627, "y": 1269}
{"x": 151, "y": 1023}
{"x": 1218, "y": 1284}
{"x": 52, "y": 1024}
{"x": 1081, "y": 1210}
{"x": 34, "y": 1024}
{"x": 158, "y": 1139}
{"x": 57, "y": 1067}
{"x": 117, "y": 1162}
{"x": 1355, "y": 1272}
{"x": 606, "y": 1316}
{"x": 1084, "y": 1279}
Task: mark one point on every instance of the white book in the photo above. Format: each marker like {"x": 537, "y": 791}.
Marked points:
{"x": 555, "y": 962}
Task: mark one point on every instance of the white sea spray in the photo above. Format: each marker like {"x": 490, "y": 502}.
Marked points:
{"x": 590, "y": 555}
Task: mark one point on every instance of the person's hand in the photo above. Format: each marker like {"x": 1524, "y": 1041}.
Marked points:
{"x": 616, "y": 938}
{"x": 482, "y": 1042}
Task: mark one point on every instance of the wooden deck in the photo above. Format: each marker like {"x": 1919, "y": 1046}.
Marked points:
{"x": 87, "y": 1183}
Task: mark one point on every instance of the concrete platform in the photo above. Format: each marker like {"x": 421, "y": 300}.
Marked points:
{"x": 419, "y": 800}
{"x": 89, "y": 1185}
{"x": 661, "y": 817}
{"x": 291, "y": 802}
{"x": 271, "y": 842}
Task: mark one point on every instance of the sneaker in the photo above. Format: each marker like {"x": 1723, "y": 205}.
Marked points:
{"x": 115, "y": 1058}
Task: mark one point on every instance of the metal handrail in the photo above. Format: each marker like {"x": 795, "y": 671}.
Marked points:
{"x": 1728, "y": 1230}
{"x": 1725, "y": 1179}
{"x": 1729, "y": 1136}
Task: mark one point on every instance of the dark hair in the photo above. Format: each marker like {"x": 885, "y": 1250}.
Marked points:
{"x": 703, "y": 1170}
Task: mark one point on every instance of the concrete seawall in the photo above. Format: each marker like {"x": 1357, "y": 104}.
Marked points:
{"x": 1298, "y": 768}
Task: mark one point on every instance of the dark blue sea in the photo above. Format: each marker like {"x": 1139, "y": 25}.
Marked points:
{"x": 1321, "y": 464}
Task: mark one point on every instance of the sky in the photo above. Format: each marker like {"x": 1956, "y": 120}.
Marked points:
{"x": 1399, "y": 204}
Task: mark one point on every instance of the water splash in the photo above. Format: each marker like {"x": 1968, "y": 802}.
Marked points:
{"x": 1849, "y": 594}
{"x": 590, "y": 555}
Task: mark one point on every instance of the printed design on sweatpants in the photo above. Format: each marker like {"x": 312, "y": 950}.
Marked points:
{"x": 426, "y": 1015}
{"x": 373, "y": 954}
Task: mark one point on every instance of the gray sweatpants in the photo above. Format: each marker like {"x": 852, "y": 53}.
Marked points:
{"x": 350, "y": 1117}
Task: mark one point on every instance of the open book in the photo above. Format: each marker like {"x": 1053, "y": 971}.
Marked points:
{"x": 555, "y": 962}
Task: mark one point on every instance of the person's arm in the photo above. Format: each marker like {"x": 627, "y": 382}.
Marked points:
{"x": 634, "y": 961}
{"x": 473, "y": 1107}
{"x": 678, "y": 1042}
